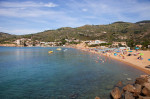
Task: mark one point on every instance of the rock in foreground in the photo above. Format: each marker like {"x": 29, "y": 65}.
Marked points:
{"x": 139, "y": 90}
{"x": 115, "y": 93}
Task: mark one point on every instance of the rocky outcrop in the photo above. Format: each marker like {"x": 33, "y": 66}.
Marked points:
{"x": 139, "y": 90}
{"x": 129, "y": 88}
{"x": 115, "y": 93}
{"x": 128, "y": 95}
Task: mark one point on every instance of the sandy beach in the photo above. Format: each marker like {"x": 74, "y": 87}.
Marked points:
{"x": 130, "y": 60}
{"x": 136, "y": 63}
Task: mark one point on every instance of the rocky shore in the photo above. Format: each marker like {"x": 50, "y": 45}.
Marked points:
{"x": 8, "y": 45}
{"x": 140, "y": 89}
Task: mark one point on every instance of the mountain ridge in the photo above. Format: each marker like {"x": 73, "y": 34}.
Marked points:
{"x": 138, "y": 32}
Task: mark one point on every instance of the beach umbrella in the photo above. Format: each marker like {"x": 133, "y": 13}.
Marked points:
{"x": 136, "y": 48}
{"x": 118, "y": 51}
{"x": 130, "y": 51}
{"x": 141, "y": 54}
{"x": 149, "y": 59}
{"x": 115, "y": 54}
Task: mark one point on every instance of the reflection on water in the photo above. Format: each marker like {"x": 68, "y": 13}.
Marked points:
{"x": 33, "y": 73}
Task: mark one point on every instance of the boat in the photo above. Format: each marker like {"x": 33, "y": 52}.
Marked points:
{"x": 58, "y": 49}
{"x": 50, "y": 51}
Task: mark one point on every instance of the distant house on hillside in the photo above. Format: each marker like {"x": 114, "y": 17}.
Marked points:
{"x": 92, "y": 42}
{"x": 104, "y": 32}
{"x": 119, "y": 43}
{"x": 18, "y": 42}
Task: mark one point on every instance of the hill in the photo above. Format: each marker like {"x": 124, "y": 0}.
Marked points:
{"x": 118, "y": 31}
{"x": 144, "y": 21}
{"x": 6, "y": 38}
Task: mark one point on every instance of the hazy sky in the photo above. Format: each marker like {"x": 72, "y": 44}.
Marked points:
{"x": 31, "y": 16}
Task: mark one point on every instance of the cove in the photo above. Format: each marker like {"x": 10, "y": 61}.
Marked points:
{"x": 33, "y": 73}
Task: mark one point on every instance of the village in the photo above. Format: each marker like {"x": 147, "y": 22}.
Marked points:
{"x": 24, "y": 42}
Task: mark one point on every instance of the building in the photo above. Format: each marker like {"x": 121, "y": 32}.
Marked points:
{"x": 93, "y": 42}
{"x": 18, "y": 42}
{"x": 124, "y": 48}
{"x": 121, "y": 43}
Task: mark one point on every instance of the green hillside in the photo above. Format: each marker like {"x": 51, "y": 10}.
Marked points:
{"x": 6, "y": 38}
{"x": 138, "y": 32}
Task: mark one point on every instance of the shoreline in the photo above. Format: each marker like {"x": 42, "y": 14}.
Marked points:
{"x": 133, "y": 65}
{"x": 116, "y": 58}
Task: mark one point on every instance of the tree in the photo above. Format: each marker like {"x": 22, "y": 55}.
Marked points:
{"x": 63, "y": 41}
{"x": 131, "y": 43}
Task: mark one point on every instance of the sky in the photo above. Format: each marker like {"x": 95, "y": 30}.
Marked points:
{"x": 31, "y": 16}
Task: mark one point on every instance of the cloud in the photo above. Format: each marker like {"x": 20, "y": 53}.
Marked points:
{"x": 26, "y": 4}
{"x": 114, "y": 9}
{"x": 50, "y": 5}
{"x": 84, "y": 10}
{"x": 72, "y": 13}
{"x": 16, "y": 12}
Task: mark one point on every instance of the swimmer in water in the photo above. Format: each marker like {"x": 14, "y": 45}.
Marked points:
{"x": 96, "y": 61}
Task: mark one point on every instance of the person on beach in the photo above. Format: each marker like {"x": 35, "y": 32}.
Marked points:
{"x": 140, "y": 57}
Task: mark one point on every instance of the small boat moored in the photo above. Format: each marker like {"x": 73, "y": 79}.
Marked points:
{"x": 58, "y": 49}
{"x": 50, "y": 51}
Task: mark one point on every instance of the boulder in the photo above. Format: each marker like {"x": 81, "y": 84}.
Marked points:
{"x": 138, "y": 89}
{"x": 143, "y": 76}
{"x": 129, "y": 88}
{"x": 147, "y": 85}
{"x": 146, "y": 91}
{"x": 141, "y": 97}
{"x": 119, "y": 84}
{"x": 97, "y": 97}
{"x": 128, "y": 95}
{"x": 149, "y": 80}
{"x": 146, "y": 97}
{"x": 115, "y": 93}
{"x": 141, "y": 80}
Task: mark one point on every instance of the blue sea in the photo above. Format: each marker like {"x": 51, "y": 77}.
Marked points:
{"x": 33, "y": 73}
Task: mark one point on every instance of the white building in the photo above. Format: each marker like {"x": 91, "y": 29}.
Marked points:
{"x": 96, "y": 42}
{"x": 18, "y": 42}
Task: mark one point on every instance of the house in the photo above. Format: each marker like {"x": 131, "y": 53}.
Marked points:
{"x": 18, "y": 42}
{"x": 96, "y": 42}
{"x": 117, "y": 43}
{"x": 124, "y": 48}
{"x": 104, "y": 32}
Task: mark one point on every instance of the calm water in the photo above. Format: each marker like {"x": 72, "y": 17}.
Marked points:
{"x": 32, "y": 73}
